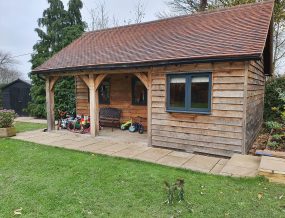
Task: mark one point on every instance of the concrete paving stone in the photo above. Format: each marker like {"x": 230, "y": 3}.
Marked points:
{"x": 218, "y": 167}
{"x": 175, "y": 159}
{"x": 85, "y": 142}
{"x": 115, "y": 147}
{"x": 223, "y": 161}
{"x": 93, "y": 147}
{"x": 131, "y": 151}
{"x": 19, "y": 137}
{"x": 241, "y": 166}
{"x": 272, "y": 165}
{"x": 64, "y": 142}
{"x": 152, "y": 155}
{"x": 201, "y": 163}
{"x": 231, "y": 170}
{"x": 48, "y": 140}
{"x": 246, "y": 161}
{"x": 27, "y": 136}
{"x": 72, "y": 145}
{"x": 106, "y": 152}
{"x": 181, "y": 154}
{"x": 36, "y": 139}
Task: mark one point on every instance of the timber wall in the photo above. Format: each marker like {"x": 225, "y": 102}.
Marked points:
{"x": 120, "y": 97}
{"x": 219, "y": 133}
{"x": 255, "y": 101}
{"x": 232, "y": 126}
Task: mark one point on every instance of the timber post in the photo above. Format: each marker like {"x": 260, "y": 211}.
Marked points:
{"x": 149, "y": 106}
{"x": 93, "y": 106}
{"x": 50, "y": 83}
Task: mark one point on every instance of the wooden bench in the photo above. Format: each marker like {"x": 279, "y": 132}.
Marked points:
{"x": 110, "y": 117}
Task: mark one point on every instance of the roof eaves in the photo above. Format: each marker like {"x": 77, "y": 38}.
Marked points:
{"x": 256, "y": 56}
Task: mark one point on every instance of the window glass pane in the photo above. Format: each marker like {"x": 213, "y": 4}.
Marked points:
{"x": 104, "y": 92}
{"x": 200, "y": 92}
{"x": 177, "y": 92}
{"x": 139, "y": 94}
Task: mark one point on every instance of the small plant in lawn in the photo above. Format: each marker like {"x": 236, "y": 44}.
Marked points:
{"x": 175, "y": 193}
{"x": 7, "y": 118}
{"x": 174, "y": 190}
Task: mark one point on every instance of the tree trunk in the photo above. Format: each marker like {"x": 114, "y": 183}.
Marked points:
{"x": 203, "y": 5}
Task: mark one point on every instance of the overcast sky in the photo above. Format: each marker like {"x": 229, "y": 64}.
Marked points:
{"x": 18, "y": 19}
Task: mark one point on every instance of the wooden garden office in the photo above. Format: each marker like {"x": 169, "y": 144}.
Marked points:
{"x": 200, "y": 77}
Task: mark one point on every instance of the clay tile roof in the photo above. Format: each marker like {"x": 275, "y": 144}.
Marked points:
{"x": 239, "y": 31}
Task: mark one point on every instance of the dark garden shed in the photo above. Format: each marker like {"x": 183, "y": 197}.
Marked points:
{"x": 16, "y": 96}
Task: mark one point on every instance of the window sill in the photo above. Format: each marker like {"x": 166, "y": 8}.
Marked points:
{"x": 189, "y": 112}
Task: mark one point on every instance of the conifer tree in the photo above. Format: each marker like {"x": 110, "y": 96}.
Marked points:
{"x": 56, "y": 29}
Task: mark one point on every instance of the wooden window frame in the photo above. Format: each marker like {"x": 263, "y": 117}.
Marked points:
{"x": 188, "y": 108}
{"x": 134, "y": 79}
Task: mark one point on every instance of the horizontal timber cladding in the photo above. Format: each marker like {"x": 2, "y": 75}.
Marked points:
{"x": 255, "y": 101}
{"x": 120, "y": 97}
{"x": 220, "y": 132}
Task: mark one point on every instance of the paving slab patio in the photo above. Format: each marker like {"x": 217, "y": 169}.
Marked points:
{"x": 134, "y": 146}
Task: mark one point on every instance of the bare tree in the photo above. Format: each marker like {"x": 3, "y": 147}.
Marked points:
{"x": 279, "y": 35}
{"x": 139, "y": 11}
{"x": 188, "y": 6}
{"x": 8, "y": 75}
{"x": 183, "y": 7}
{"x": 7, "y": 71}
{"x": 6, "y": 60}
{"x": 99, "y": 17}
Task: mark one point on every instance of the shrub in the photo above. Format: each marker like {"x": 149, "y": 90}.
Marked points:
{"x": 7, "y": 118}
{"x": 273, "y": 125}
{"x": 273, "y": 145}
{"x": 277, "y": 137}
{"x": 272, "y": 97}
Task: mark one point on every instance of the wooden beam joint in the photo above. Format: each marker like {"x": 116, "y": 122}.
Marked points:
{"x": 143, "y": 78}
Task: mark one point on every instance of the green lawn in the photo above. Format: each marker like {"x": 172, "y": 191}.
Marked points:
{"x": 24, "y": 126}
{"x": 52, "y": 182}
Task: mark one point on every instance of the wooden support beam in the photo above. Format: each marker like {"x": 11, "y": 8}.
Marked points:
{"x": 94, "y": 106}
{"x": 50, "y": 103}
{"x": 149, "y": 106}
{"x": 99, "y": 79}
{"x": 143, "y": 78}
{"x": 85, "y": 79}
{"x": 53, "y": 80}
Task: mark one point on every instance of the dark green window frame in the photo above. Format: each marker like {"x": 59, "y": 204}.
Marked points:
{"x": 188, "y": 78}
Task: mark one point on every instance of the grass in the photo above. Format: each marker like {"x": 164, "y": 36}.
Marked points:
{"x": 53, "y": 182}
{"x": 24, "y": 126}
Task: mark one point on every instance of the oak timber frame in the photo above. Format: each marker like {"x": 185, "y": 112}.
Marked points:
{"x": 231, "y": 126}
{"x": 93, "y": 81}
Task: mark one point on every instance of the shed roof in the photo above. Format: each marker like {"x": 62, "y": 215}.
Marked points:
{"x": 238, "y": 32}
{"x": 27, "y": 82}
